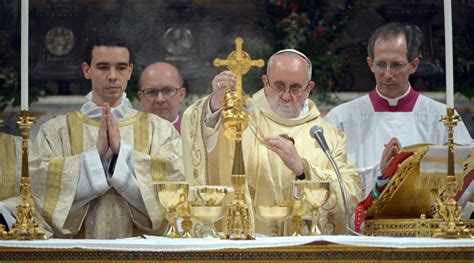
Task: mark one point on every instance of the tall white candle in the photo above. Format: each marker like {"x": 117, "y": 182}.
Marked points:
{"x": 24, "y": 54}
{"x": 448, "y": 44}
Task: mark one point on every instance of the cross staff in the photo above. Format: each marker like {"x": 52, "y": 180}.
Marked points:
{"x": 240, "y": 63}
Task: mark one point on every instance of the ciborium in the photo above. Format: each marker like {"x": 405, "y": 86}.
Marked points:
{"x": 274, "y": 215}
{"x": 172, "y": 195}
{"x": 315, "y": 194}
{"x": 208, "y": 207}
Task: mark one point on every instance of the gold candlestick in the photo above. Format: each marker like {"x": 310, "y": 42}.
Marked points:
{"x": 448, "y": 208}
{"x": 235, "y": 121}
{"x": 25, "y": 227}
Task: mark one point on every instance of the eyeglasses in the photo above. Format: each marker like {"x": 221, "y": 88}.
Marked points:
{"x": 293, "y": 90}
{"x": 393, "y": 67}
{"x": 153, "y": 93}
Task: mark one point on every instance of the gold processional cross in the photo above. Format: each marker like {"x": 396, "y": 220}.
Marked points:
{"x": 240, "y": 63}
{"x": 236, "y": 119}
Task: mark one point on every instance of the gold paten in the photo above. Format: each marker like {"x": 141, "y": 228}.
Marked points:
{"x": 25, "y": 227}
{"x": 236, "y": 120}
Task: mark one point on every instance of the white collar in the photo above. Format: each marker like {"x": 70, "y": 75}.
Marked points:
{"x": 176, "y": 120}
{"x": 392, "y": 102}
{"x": 305, "y": 108}
{"x": 91, "y": 110}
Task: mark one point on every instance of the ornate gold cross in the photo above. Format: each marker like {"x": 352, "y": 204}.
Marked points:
{"x": 240, "y": 63}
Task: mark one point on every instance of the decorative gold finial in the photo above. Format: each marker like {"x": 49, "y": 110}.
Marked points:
{"x": 236, "y": 120}
{"x": 448, "y": 208}
{"x": 25, "y": 227}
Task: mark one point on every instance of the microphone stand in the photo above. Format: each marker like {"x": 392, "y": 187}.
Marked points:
{"x": 317, "y": 133}
{"x": 343, "y": 192}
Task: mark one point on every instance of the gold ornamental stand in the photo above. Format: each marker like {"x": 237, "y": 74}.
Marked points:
{"x": 236, "y": 119}
{"x": 452, "y": 226}
{"x": 25, "y": 227}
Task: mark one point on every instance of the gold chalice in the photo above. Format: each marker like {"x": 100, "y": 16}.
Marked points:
{"x": 298, "y": 208}
{"x": 211, "y": 195}
{"x": 171, "y": 195}
{"x": 315, "y": 195}
{"x": 274, "y": 215}
{"x": 208, "y": 208}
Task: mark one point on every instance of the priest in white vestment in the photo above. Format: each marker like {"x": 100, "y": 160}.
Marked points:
{"x": 393, "y": 114}
{"x": 272, "y": 162}
{"x": 93, "y": 170}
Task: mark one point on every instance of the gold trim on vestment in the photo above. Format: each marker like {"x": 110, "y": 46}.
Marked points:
{"x": 198, "y": 157}
{"x": 53, "y": 184}
{"x": 140, "y": 131}
{"x": 158, "y": 168}
{"x": 124, "y": 122}
{"x": 75, "y": 124}
{"x": 8, "y": 166}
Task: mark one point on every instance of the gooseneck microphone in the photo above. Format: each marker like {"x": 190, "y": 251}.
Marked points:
{"x": 317, "y": 133}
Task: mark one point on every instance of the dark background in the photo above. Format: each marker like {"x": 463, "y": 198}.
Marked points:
{"x": 190, "y": 34}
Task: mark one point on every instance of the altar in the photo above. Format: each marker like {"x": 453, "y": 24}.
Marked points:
{"x": 263, "y": 249}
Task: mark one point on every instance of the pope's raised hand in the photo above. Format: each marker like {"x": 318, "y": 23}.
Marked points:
{"x": 220, "y": 83}
{"x": 286, "y": 150}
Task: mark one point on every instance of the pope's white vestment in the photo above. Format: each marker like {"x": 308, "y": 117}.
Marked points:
{"x": 208, "y": 157}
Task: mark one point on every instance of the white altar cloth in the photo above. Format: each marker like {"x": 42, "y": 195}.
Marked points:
{"x": 154, "y": 243}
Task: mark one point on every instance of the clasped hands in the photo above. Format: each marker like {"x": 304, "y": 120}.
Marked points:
{"x": 391, "y": 149}
{"x": 108, "y": 141}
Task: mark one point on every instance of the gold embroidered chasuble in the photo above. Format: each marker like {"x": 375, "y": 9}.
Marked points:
{"x": 208, "y": 158}
{"x": 55, "y": 168}
{"x": 10, "y": 165}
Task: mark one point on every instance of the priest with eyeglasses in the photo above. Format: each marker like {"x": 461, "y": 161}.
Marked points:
{"x": 277, "y": 146}
{"x": 393, "y": 114}
{"x": 161, "y": 91}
